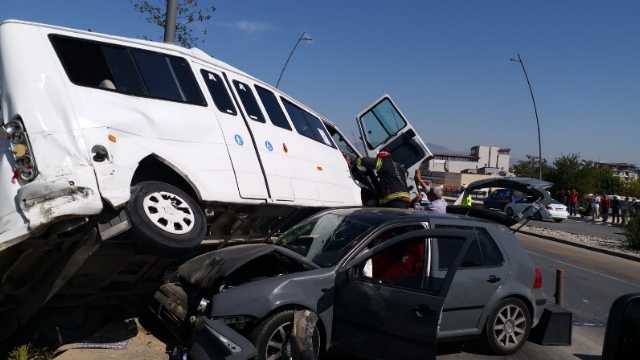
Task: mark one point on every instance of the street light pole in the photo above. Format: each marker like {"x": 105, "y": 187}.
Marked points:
{"x": 302, "y": 37}
{"x": 536, "y": 112}
{"x": 170, "y": 22}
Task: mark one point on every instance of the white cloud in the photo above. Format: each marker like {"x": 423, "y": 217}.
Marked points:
{"x": 250, "y": 27}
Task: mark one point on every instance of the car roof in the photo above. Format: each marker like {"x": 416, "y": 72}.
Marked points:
{"x": 379, "y": 216}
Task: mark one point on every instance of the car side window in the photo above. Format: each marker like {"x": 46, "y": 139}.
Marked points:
{"x": 307, "y": 124}
{"x": 219, "y": 93}
{"x": 249, "y": 101}
{"x": 400, "y": 265}
{"x": 482, "y": 252}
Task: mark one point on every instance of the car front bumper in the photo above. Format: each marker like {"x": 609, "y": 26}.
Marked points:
{"x": 213, "y": 340}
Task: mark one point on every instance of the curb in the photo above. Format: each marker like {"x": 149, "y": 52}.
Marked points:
{"x": 587, "y": 247}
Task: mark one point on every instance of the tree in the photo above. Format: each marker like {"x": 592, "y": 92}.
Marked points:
{"x": 529, "y": 168}
{"x": 566, "y": 173}
{"x": 633, "y": 189}
{"x": 189, "y": 12}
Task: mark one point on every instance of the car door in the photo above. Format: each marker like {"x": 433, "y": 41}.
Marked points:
{"x": 396, "y": 317}
{"x": 382, "y": 126}
{"x": 269, "y": 139}
{"x": 247, "y": 166}
{"x": 483, "y": 270}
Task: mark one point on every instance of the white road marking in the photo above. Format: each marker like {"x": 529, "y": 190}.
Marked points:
{"x": 594, "y": 306}
{"x": 583, "y": 269}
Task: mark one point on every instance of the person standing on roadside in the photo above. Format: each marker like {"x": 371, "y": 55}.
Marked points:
{"x": 595, "y": 204}
{"x": 605, "y": 205}
{"x": 624, "y": 206}
{"x": 573, "y": 202}
{"x": 434, "y": 195}
{"x": 615, "y": 210}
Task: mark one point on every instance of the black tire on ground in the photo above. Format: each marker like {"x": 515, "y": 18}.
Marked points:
{"x": 558, "y": 220}
{"x": 67, "y": 325}
{"x": 178, "y": 226}
{"x": 537, "y": 216}
{"x": 508, "y": 336}
{"x": 509, "y": 211}
{"x": 264, "y": 336}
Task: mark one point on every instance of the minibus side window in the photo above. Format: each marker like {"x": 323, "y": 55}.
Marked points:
{"x": 307, "y": 124}
{"x": 273, "y": 108}
{"x": 219, "y": 92}
{"x": 127, "y": 70}
{"x": 249, "y": 101}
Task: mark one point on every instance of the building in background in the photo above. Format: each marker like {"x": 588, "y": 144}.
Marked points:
{"x": 626, "y": 172}
{"x": 481, "y": 160}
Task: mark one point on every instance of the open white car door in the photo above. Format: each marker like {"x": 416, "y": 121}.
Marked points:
{"x": 382, "y": 126}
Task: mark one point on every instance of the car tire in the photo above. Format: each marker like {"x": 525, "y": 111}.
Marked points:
{"x": 558, "y": 220}
{"x": 537, "y": 216}
{"x": 170, "y": 231}
{"x": 509, "y": 211}
{"x": 486, "y": 206}
{"x": 275, "y": 330}
{"x": 507, "y": 327}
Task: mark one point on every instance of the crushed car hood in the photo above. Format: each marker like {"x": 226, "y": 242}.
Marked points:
{"x": 203, "y": 270}
{"x": 532, "y": 187}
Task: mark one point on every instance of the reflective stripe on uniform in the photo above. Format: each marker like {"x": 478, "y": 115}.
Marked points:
{"x": 359, "y": 162}
{"x": 395, "y": 196}
{"x": 378, "y": 164}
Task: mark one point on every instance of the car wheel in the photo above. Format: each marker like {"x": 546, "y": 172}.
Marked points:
{"x": 537, "y": 216}
{"x": 558, "y": 220}
{"x": 272, "y": 338}
{"x": 509, "y": 211}
{"x": 507, "y": 327}
{"x": 486, "y": 206}
{"x": 165, "y": 221}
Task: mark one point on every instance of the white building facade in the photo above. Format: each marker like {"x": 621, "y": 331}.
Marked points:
{"x": 482, "y": 159}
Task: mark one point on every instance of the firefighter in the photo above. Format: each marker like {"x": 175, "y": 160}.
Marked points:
{"x": 393, "y": 192}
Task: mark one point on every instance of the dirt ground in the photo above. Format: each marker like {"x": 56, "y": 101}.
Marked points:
{"x": 149, "y": 340}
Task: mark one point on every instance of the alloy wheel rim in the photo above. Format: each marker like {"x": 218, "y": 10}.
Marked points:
{"x": 169, "y": 212}
{"x": 509, "y": 327}
{"x": 279, "y": 344}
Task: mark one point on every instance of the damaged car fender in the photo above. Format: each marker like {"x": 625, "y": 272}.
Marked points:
{"x": 313, "y": 292}
{"x": 213, "y": 340}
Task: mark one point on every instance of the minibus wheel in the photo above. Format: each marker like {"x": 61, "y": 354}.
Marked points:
{"x": 164, "y": 220}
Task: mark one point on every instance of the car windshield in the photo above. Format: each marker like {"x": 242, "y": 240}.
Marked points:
{"x": 325, "y": 239}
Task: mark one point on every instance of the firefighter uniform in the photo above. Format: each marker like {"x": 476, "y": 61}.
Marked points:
{"x": 392, "y": 178}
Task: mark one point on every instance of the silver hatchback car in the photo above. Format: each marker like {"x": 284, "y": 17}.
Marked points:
{"x": 381, "y": 283}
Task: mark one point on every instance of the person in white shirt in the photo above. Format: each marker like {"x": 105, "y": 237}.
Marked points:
{"x": 624, "y": 206}
{"x": 595, "y": 204}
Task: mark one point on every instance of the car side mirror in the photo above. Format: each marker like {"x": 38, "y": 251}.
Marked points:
{"x": 622, "y": 336}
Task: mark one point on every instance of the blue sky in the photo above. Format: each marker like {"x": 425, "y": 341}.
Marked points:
{"x": 445, "y": 63}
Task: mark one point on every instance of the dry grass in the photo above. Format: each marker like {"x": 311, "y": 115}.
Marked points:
{"x": 29, "y": 352}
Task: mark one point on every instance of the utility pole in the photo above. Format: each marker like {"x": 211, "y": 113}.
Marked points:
{"x": 537, "y": 121}
{"x": 170, "y": 22}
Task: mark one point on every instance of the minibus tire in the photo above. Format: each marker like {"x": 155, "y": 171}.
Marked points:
{"x": 151, "y": 238}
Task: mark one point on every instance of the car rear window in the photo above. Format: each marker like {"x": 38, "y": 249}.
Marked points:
{"x": 482, "y": 252}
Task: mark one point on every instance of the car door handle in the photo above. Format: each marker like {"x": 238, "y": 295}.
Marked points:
{"x": 423, "y": 310}
{"x": 493, "y": 279}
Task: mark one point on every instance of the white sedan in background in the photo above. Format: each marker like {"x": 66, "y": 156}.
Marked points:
{"x": 554, "y": 211}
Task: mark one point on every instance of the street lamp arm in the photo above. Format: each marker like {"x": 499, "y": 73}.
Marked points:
{"x": 302, "y": 37}
{"x": 535, "y": 110}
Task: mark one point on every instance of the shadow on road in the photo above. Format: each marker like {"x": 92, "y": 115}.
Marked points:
{"x": 587, "y": 357}
{"x": 469, "y": 347}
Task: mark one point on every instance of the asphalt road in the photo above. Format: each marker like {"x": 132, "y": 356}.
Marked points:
{"x": 581, "y": 226}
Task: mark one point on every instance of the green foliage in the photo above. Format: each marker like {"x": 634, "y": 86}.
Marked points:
{"x": 530, "y": 168}
{"x": 189, "y": 12}
{"x": 632, "y": 189}
{"x": 29, "y": 352}
{"x": 632, "y": 231}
